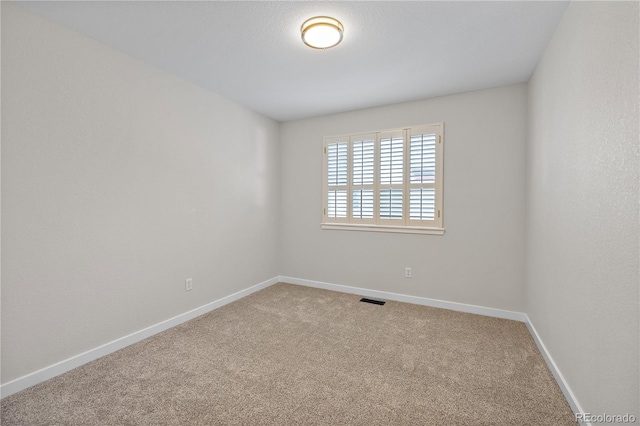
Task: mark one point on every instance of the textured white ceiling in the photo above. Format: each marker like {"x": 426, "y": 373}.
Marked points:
{"x": 251, "y": 52}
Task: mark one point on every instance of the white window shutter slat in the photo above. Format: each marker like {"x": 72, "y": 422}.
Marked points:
{"x": 391, "y": 160}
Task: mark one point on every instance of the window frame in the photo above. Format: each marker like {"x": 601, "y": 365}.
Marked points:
{"x": 377, "y": 224}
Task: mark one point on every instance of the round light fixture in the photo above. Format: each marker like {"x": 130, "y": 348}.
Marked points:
{"x": 321, "y": 32}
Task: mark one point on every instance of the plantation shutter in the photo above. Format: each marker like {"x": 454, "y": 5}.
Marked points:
{"x": 391, "y": 177}
{"x": 363, "y": 154}
{"x": 336, "y": 179}
{"x": 389, "y": 181}
{"x": 424, "y": 176}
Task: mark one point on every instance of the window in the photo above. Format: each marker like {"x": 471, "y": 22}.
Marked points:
{"x": 388, "y": 181}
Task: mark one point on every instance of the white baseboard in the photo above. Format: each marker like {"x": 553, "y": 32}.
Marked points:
{"x": 56, "y": 369}
{"x": 564, "y": 386}
{"x": 435, "y": 303}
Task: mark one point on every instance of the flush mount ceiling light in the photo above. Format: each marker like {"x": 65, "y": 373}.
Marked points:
{"x": 321, "y": 32}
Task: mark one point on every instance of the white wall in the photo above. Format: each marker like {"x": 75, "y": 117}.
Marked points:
{"x": 479, "y": 260}
{"x": 583, "y": 183}
{"x": 118, "y": 182}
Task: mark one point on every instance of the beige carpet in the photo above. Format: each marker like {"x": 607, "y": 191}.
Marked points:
{"x": 291, "y": 355}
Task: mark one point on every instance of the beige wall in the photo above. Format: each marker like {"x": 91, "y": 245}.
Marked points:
{"x": 118, "y": 182}
{"x": 582, "y": 236}
{"x": 479, "y": 260}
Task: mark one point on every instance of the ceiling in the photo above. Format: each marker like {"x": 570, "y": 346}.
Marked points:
{"x": 251, "y": 52}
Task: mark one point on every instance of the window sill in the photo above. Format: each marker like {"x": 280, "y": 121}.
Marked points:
{"x": 383, "y": 228}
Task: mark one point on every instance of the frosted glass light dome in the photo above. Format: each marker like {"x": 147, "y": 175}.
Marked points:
{"x": 321, "y": 32}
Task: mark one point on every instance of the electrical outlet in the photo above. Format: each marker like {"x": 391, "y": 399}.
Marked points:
{"x": 188, "y": 284}
{"x": 407, "y": 272}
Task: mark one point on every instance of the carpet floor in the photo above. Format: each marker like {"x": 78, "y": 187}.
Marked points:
{"x": 292, "y": 355}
